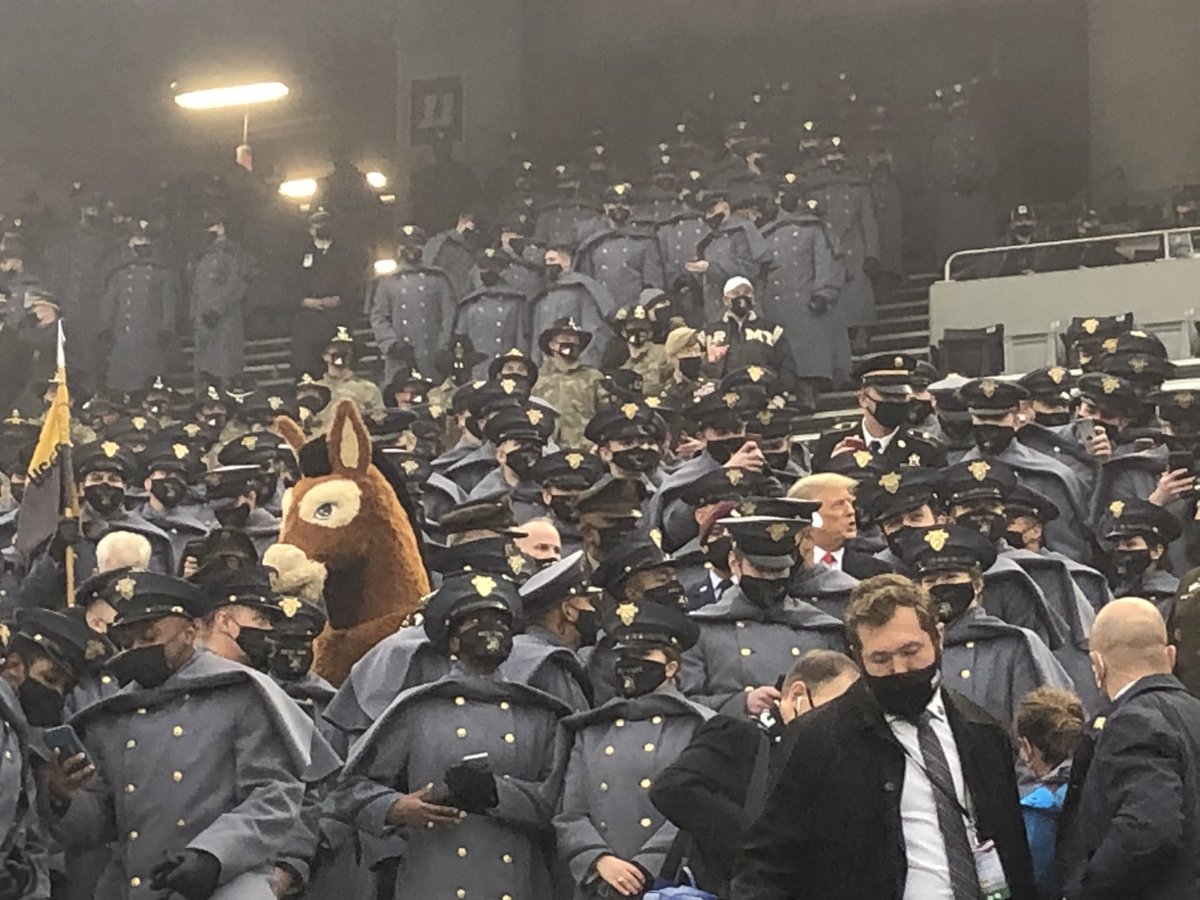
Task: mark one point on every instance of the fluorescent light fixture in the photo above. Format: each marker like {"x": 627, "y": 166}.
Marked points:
{"x": 385, "y": 266}
{"x": 377, "y": 180}
{"x": 298, "y": 188}
{"x": 238, "y": 95}
{"x": 387, "y": 198}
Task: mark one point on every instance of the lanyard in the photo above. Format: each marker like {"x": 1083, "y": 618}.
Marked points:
{"x": 946, "y": 791}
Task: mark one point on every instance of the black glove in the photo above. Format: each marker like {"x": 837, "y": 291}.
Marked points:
{"x": 818, "y": 305}
{"x": 398, "y": 351}
{"x": 210, "y": 318}
{"x": 472, "y": 787}
{"x": 190, "y": 873}
{"x": 16, "y": 876}
{"x": 67, "y": 534}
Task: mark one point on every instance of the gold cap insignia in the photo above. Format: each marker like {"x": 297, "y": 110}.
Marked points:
{"x": 93, "y": 650}
{"x": 655, "y": 536}
{"x": 1139, "y": 364}
{"x": 343, "y": 333}
{"x": 276, "y": 403}
{"x": 937, "y": 539}
{"x": 862, "y": 458}
{"x": 629, "y": 410}
{"x": 125, "y": 587}
{"x": 180, "y": 450}
{"x": 890, "y": 482}
{"x": 639, "y": 312}
{"x": 735, "y": 476}
{"x": 979, "y": 469}
{"x": 1109, "y": 384}
{"x": 1184, "y": 399}
{"x": 110, "y": 448}
{"x": 138, "y": 422}
{"x": 653, "y": 402}
{"x": 290, "y": 606}
{"x": 191, "y": 429}
{"x": 1098, "y": 724}
{"x": 898, "y": 362}
{"x": 574, "y": 460}
{"x": 988, "y": 388}
{"x": 1057, "y": 374}
{"x": 755, "y": 372}
{"x": 435, "y": 411}
{"x": 410, "y": 466}
{"x": 535, "y": 416}
{"x": 5, "y": 634}
{"x": 1109, "y": 345}
{"x": 627, "y": 612}
{"x": 1116, "y": 508}
{"x": 778, "y": 531}
{"x": 483, "y": 584}
{"x": 250, "y": 441}
{"x": 766, "y": 416}
{"x": 731, "y": 399}
{"x": 1090, "y": 325}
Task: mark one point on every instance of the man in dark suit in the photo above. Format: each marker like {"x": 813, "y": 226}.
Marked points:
{"x": 837, "y": 526}
{"x": 894, "y": 789}
{"x": 717, "y": 786}
{"x": 1136, "y": 830}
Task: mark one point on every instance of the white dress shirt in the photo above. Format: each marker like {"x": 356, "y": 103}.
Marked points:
{"x": 818, "y": 558}
{"x": 928, "y": 869}
{"x": 870, "y": 439}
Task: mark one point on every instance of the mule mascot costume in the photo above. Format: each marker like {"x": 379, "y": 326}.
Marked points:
{"x": 345, "y": 523}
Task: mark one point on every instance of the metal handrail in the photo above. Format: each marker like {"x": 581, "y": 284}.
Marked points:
{"x": 1162, "y": 234}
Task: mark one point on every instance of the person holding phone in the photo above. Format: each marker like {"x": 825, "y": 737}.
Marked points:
{"x": 460, "y": 767}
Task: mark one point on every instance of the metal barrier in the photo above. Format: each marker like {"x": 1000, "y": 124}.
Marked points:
{"x": 1167, "y": 243}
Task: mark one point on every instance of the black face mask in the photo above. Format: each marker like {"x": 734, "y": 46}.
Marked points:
{"x": 992, "y": 439}
{"x": 256, "y": 644}
{"x": 1130, "y": 564}
{"x": 764, "y": 592}
{"x": 722, "y": 449}
{"x": 896, "y": 538}
{"x": 957, "y": 426}
{"x": 637, "y": 459}
{"x": 991, "y": 525}
{"x": 488, "y": 643}
{"x": 741, "y": 305}
{"x": 952, "y": 599}
{"x": 588, "y": 626}
{"x": 291, "y": 656}
{"x": 43, "y": 706}
{"x": 637, "y": 339}
{"x": 410, "y": 255}
{"x": 717, "y": 552}
{"x": 489, "y": 277}
{"x": 611, "y": 536}
{"x": 105, "y": 499}
{"x": 1052, "y": 420}
{"x": 569, "y": 352}
{"x": 553, "y": 271}
{"x": 322, "y": 232}
{"x": 919, "y": 411}
{"x": 714, "y": 221}
{"x": 168, "y": 491}
{"x": 216, "y": 423}
{"x": 669, "y": 594}
{"x": 141, "y": 250}
{"x": 620, "y": 215}
{"x": 637, "y": 677}
{"x": 312, "y": 404}
{"x": 563, "y": 507}
{"x": 232, "y": 515}
{"x": 906, "y": 694}
{"x": 522, "y": 460}
{"x": 689, "y": 366}
{"x": 890, "y": 413}
{"x": 778, "y": 461}
{"x": 517, "y": 245}
{"x": 146, "y": 665}
{"x": 210, "y": 237}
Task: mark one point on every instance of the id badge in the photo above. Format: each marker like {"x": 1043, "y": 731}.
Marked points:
{"x": 992, "y": 882}
{"x": 308, "y": 261}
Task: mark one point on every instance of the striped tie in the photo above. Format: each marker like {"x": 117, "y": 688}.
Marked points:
{"x": 964, "y": 879}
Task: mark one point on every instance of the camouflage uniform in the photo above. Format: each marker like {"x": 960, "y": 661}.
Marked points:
{"x": 574, "y": 390}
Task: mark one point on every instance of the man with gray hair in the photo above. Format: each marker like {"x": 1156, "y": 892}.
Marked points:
{"x": 121, "y": 550}
{"x": 1136, "y": 829}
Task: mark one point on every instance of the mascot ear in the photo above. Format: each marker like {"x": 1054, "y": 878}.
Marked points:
{"x": 348, "y": 441}
{"x": 290, "y": 432}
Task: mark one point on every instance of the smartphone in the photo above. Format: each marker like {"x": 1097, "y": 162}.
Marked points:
{"x": 64, "y": 739}
{"x": 1180, "y": 459}
{"x": 1084, "y": 430}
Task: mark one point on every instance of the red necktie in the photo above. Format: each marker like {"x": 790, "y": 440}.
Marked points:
{"x": 829, "y": 559}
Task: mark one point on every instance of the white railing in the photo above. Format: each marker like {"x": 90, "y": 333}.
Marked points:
{"x": 1185, "y": 244}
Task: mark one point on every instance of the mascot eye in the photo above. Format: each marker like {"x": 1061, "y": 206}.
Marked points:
{"x": 324, "y": 511}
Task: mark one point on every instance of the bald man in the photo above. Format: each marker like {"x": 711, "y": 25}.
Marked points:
{"x": 1136, "y": 833}
{"x": 542, "y": 542}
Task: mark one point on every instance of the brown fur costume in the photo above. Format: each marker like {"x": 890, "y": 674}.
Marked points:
{"x": 351, "y": 523}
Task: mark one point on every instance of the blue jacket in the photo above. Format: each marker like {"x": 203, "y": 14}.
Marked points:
{"x": 1041, "y": 808}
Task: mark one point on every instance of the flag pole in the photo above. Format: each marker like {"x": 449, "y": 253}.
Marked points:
{"x": 70, "y": 495}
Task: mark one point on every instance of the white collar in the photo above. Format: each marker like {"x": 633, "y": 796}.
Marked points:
{"x": 870, "y": 439}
